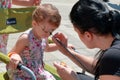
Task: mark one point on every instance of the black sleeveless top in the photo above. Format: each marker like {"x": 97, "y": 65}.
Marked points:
{"x": 109, "y": 62}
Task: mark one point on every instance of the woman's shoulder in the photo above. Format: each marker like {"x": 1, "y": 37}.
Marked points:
{"x": 115, "y": 44}
{"x": 112, "y": 54}
{"x": 110, "y": 62}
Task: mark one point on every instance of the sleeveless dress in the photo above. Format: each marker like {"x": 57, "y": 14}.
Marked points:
{"x": 32, "y": 57}
{"x": 4, "y": 37}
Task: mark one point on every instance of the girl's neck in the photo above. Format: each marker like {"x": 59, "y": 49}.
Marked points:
{"x": 36, "y": 35}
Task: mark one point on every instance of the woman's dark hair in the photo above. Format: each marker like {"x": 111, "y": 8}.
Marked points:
{"x": 95, "y": 16}
{"x": 106, "y": 0}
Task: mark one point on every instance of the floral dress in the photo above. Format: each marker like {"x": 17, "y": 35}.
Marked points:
{"x": 4, "y": 37}
{"x": 32, "y": 57}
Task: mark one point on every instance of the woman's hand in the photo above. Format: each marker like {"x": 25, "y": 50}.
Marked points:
{"x": 65, "y": 72}
{"x": 60, "y": 37}
{"x": 61, "y": 41}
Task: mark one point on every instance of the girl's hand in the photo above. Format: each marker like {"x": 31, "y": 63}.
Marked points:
{"x": 14, "y": 60}
{"x": 65, "y": 72}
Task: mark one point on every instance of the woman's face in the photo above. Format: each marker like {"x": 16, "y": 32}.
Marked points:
{"x": 86, "y": 38}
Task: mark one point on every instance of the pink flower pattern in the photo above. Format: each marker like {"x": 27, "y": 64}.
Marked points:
{"x": 32, "y": 57}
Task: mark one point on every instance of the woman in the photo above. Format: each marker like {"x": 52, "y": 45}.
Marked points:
{"x": 97, "y": 27}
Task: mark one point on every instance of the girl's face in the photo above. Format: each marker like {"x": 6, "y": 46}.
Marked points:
{"x": 86, "y": 38}
{"x": 43, "y": 29}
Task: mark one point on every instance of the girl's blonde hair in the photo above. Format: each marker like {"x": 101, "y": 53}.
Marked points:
{"x": 47, "y": 12}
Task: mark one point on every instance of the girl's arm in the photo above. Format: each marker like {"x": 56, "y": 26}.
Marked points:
{"x": 53, "y": 47}
{"x": 16, "y": 50}
{"x": 20, "y": 43}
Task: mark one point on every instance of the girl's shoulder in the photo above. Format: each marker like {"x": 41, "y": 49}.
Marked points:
{"x": 25, "y": 35}
{"x": 23, "y": 39}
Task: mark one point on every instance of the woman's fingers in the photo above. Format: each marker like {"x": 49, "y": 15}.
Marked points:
{"x": 61, "y": 37}
{"x": 59, "y": 65}
{"x": 65, "y": 72}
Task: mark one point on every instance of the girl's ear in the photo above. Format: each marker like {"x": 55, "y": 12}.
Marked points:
{"x": 34, "y": 23}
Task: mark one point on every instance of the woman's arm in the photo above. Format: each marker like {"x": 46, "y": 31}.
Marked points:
{"x": 82, "y": 61}
{"x": 109, "y": 77}
{"x": 74, "y": 56}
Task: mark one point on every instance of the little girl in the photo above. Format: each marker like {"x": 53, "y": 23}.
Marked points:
{"x": 31, "y": 44}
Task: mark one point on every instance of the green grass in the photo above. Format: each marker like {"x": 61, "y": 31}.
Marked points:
{"x": 52, "y": 71}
